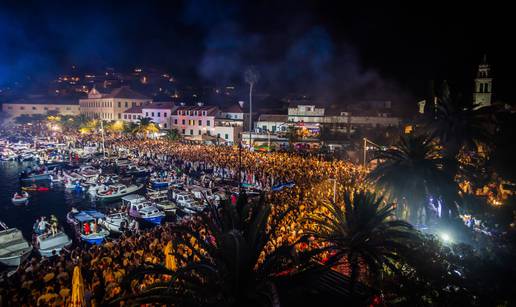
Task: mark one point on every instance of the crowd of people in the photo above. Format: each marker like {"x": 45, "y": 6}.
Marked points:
{"x": 47, "y": 282}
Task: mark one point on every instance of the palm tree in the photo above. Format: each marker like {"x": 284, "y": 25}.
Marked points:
{"x": 232, "y": 268}
{"x": 458, "y": 125}
{"x": 412, "y": 173}
{"x": 145, "y": 126}
{"x": 173, "y": 135}
{"x": 361, "y": 231}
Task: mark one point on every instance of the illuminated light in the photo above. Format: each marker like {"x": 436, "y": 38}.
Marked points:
{"x": 446, "y": 237}
{"x": 408, "y": 129}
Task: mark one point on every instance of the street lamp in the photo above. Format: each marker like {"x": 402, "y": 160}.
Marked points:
{"x": 251, "y": 77}
{"x": 365, "y": 148}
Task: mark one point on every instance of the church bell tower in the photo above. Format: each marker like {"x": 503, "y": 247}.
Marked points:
{"x": 483, "y": 85}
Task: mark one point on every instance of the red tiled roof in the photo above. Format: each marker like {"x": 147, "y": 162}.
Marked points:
{"x": 124, "y": 92}
{"x": 169, "y": 105}
{"x": 135, "y": 109}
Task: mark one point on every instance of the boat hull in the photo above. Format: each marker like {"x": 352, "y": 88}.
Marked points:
{"x": 154, "y": 220}
{"x": 96, "y": 240}
{"x": 16, "y": 259}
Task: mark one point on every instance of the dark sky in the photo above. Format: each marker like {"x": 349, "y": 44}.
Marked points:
{"x": 331, "y": 49}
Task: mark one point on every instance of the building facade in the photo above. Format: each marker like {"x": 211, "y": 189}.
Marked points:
{"x": 133, "y": 114}
{"x": 272, "y": 123}
{"x": 160, "y": 113}
{"x": 32, "y": 107}
{"x": 194, "y": 120}
{"x": 482, "y": 94}
{"x": 111, "y": 106}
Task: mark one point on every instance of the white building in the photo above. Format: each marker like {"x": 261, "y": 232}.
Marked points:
{"x": 111, "y": 106}
{"x": 160, "y": 113}
{"x": 133, "y": 114}
{"x": 272, "y": 123}
{"x": 41, "y": 106}
{"x": 194, "y": 120}
{"x": 228, "y": 134}
{"x": 306, "y": 113}
{"x": 234, "y": 115}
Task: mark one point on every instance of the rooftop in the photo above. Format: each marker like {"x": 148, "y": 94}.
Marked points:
{"x": 135, "y": 109}
{"x": 39, "y": 99}
{"x": 273, "y": 118}
{"x": 121, "y": 92}
{"x": 168, "y": 105}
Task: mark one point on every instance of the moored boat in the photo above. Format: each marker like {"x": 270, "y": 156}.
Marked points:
{"x": 117, "y": 191}
{"x": 20, "y": 198}
{"x": 140, "y": 208}
{"x": 115, "y": 222}
{"x": 14, "y": 249}
{"x": 87, "y": 227}
{"x": 47, "y": 243}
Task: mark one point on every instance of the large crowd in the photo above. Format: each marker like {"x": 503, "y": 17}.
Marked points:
{"x": 47, "y": 282}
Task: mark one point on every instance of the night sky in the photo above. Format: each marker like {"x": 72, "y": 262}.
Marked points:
{"x": 328, "y": 49}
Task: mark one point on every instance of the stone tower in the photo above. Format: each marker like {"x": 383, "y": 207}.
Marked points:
{"x": 483, "y": 85}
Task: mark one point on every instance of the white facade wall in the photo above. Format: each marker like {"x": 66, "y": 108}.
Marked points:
{"x": 272, "y": 126}
{"x": 190, "y": 125}
{"x": 108, "y": 108}
{"x": 17, "y": 109}
{"x": 228, "y": 134}
{"x": 160, "y": 116}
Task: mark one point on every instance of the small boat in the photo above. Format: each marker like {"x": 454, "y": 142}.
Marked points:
{"x": 140, "y": 208}
{"x": 36, "y": 189}
{"x": 160, "y": 199}
{"x": 115, "y": 222}
{"x": 20, "y": 198}
{"x": 14, "y": 249}
{"x": 34, "y": 177}
{"x": 56, "y": 178}
{"x": 186, "y": 202}
{"x": 47, "y": 243}
{"x": 83, "y": 221}
{"x": 117, "y": 191}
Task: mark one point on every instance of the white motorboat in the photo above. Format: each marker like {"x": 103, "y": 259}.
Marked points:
{"x": 186, "y": 202}
{"x": 117, "y": 191}
{"x": 56, "y": 178}
{"x": 94, "y": 188}
{"x": 140, "y": 208}
{"x": 47, "y": 243}
{"x": 115, "y": 222}
{"x": 160, "y": 199}
{"x": 20, "y": 198}
{"x": 14, "y": 249}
